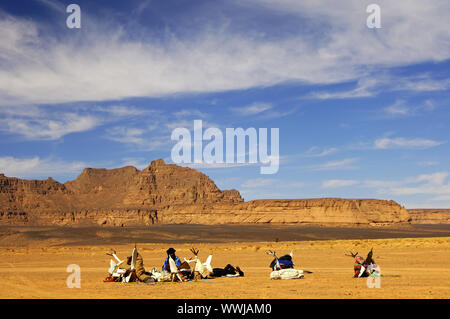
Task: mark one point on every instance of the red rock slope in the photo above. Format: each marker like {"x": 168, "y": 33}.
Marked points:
{"x": 167, "y": 193}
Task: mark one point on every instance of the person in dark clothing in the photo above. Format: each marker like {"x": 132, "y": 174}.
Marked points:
{"x": 284, "y": 262}
{"x": 361, "y": 265}
{"x": 171, "y": 253}
{"x": 369, "y": 260}
{"x": 228, "y": 271}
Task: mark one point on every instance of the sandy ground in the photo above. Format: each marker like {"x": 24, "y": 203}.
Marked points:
{"x": 411, "y": 268}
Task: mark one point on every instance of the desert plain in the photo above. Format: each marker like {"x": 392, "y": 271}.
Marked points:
{"x": 413, "y": 262}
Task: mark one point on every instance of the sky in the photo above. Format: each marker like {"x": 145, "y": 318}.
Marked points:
{"x": 361, "y": 112}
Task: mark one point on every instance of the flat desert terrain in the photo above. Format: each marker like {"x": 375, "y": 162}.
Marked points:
{"x": 35, "y": 267}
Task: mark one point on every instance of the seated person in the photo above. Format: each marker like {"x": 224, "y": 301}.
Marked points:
{"x": 363, "y": 266}
{"x": 141, "y": 274}
{"x": 171, "y": 253}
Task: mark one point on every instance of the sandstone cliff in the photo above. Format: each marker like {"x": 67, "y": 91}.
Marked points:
{"x": 430, "y": 216}
{"x": 167, "y": 193}
{"x": 115, "y": 197}
{"x": 326, "y": 211}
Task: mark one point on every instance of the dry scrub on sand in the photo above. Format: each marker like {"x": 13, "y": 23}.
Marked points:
{"x": 411, "y": 268}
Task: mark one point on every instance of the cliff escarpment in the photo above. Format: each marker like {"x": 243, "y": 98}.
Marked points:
{"x": 430, "y": 216}
{"x": 170, "y": 194}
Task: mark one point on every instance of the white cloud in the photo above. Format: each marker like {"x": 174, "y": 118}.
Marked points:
{"x": 50, "y": 123}
{"x": 428, "y": 163}
{"x": 123, "y": 110}
{"x": 252, "y": 109}
{"x": 191, "y": 113}
{"x": 42, "y": 128}
{"x": 400, "y": 142}
{"x": 258, "y": 182}
{"x": 425, "y": 184}
{"x": 36, "y": 167}
{"x": 422, "y": 83}
{"x": 441, "y": 198}
{"x": 317, "y": 152}
{"x": 365, "y": 88}
{"x": 106, "y": 65}
{"x": 138, "y": 162}
{"x": 375, "y": 84}
{"x": 398, "y": 108}
{"x": 137, "y": 137}
{"x": 344, "y": 164}
{"x": 338, "y": 183}
{"x": 259, "y": 188}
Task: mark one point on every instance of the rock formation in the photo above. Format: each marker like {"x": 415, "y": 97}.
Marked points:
{"x": 326, "y": 211}
{"x": 429, "y": 216}
{"x": 167, "y": 193}
{"x": 114, "y": 197}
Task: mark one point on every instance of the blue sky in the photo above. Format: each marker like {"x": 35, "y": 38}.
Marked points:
{"x": 362, "y": 113}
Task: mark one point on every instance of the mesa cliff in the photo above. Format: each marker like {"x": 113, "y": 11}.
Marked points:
{"x": 169, "y": 194}
{"x": 429, "y": 216}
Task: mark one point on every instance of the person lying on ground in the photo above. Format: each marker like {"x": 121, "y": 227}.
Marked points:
{"x": 228, "y": 271}
{"x": 137, "y": 274}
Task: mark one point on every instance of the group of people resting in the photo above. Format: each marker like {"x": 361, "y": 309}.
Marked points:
{"x": 173, "y": 269}
{"x": 132, "y": 269}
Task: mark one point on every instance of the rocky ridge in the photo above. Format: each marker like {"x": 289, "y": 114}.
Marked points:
{"x": 170, "y": 194}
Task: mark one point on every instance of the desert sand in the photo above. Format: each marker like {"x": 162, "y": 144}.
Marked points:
{"x": 411, "y": 267}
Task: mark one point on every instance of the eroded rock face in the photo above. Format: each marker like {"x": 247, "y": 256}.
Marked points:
{"x": 167, "y": 193}
{"x": 326, "y": 211}
{"x": 123, "y": 196}
{"x": 430, "y": 216}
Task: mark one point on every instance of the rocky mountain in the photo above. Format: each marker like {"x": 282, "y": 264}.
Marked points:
{"x": 167, "y": 193}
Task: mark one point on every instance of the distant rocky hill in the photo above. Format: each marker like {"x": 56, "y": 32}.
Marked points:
{"x": 430, "y": 216}
{"x": 167, "y": 193}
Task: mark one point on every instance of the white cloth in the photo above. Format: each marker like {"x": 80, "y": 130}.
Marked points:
{"x": 289, "y": 273}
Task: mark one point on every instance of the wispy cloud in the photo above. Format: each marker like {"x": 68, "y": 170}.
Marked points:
{"x": 191, "y": 113}
{"x": 334, "y": 183}
{"x": 441, "y": 198}
{"x": 38, "y": 68}
{"x": 401, "y": 142}
{"x": 428, "y": 163}
{"x": 365, "y": 88}
{"x": 398, "y": 108}
{"x": 345, "y": 164}
{"x": 42, "y": 128}
{"x": 259, "y": 188}
{"x": 378, "y": 83}
{"x": 138, "y": 137}
{"x": 421, "y": 83}
{"x": 138, "y": 162}
{"x": 318, "y": 152}
{"x": 252, "y": 109}
{"x": 123, "y": 110}
{"x": 50, "y": 123}
{"x": 424, "y": 184}
{"x": 35, "y": 167}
